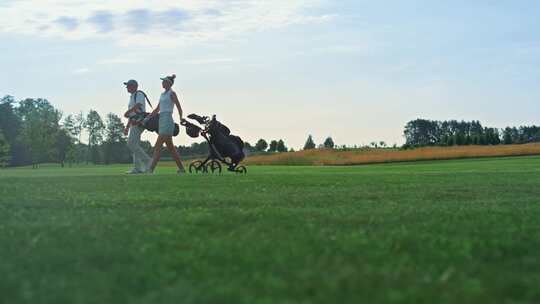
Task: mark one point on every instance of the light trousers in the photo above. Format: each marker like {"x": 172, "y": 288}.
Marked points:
{"x": 140, "y": 158}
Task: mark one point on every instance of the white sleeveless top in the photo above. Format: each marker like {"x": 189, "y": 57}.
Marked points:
{"x": 165, "y": 102}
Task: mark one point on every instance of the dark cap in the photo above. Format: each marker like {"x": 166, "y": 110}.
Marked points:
{"x": 131, "y": 82}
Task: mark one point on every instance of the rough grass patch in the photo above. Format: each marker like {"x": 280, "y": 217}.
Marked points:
{"x": 322, "y": 157}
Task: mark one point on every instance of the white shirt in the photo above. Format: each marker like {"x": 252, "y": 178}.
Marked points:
{"x": 138, "y": 100}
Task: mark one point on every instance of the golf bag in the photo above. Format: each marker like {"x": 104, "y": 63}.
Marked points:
{"x": 222, "y": 143}
{"x": 151, "y": 124}
{"x": 226, "y": 144}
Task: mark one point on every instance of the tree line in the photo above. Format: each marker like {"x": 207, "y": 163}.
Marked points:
{"x": 423, "y": 132}
{"x": 33, "y": 131}
{"x": 279, "y": 145}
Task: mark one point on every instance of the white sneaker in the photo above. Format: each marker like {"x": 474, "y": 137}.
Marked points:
{"x": 134, "y": 171}
{"x": 181, "y": 171}
{"x": 141, "y": 168}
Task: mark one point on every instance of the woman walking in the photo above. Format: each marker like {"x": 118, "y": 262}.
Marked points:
{"x": 167, "y": 101}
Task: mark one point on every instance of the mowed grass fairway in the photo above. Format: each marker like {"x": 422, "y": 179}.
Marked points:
{"x": 464, "y": 231}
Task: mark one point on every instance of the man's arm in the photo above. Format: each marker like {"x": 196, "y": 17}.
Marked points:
{"x": 126, "y": 129}
{"x": 136, "y": 108}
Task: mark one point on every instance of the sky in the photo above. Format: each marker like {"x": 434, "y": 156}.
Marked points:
{"x": 351, "y": 69}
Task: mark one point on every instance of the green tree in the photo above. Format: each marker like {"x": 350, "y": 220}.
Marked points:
{"x": 64, "y": 146}
{"x": 310, "y": 144}
{"x": 114, "y": 147}
{"x": 74, "y": 125}
{"x": 81, "y": 153}
{"x": 94, "y": 126}
{"x": 248, "y": 146}
{"x": 483, "y": 140}
{"x": 261, "y": 145}
{"x": 79, "y": 123}
{"x": 507, "y": 136}
{"x": 460, "y": 139}
{"x": 9, "y": 120}
{"x": 11, "y": 126}
{"x": 5, "y": 156}
{"x": 329, "y": 143}
{"x": 68, "y": 147}
{"x": 115, "y": 129}
{"x": 71, "y": 155}
{"x": 273, "y": 146}
{"x": 516, "y": 138}
{"x": 281, "y": 146}
{"x": 422, "y": 132}
{"x": 492, "y": 136}
{"x": 69, "y": 125}
{"x": 40, "y": 121}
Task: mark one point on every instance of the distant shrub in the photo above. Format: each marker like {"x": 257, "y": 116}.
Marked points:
{"x": 310, "y": 144}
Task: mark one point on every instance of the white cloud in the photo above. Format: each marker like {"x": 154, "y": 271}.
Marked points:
{"x": 154, "y": 22}
{"x": 343, "y": 49}
{"x": 208, "y": 61}
{"x": 81, "y": 71}
{"x": 126, "y": 59}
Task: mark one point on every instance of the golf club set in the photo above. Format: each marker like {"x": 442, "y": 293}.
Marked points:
{"x": 224, "y": 147}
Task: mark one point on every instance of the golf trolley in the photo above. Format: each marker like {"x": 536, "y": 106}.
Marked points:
{"x": 224, "y": 148}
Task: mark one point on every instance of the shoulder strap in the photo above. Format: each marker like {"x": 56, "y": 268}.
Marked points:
{"x": 145, "y": 97}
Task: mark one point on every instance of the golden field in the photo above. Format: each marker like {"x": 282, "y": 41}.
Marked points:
{"x": 322, "y": 157}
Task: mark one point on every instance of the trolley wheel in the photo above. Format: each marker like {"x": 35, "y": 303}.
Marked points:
{"x": 213, "y": 167}
{"x": 241, "y": 170}
{"x": 197, "y": 167}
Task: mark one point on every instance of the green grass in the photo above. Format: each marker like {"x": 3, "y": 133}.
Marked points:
{"x": 464, "y": 231}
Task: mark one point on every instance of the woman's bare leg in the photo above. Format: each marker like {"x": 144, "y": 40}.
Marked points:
{"x": 174, "y": 153}
{"x": 157, "y": 153}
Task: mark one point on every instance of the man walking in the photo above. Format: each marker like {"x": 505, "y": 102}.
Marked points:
{"x": 136, "y": 105}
